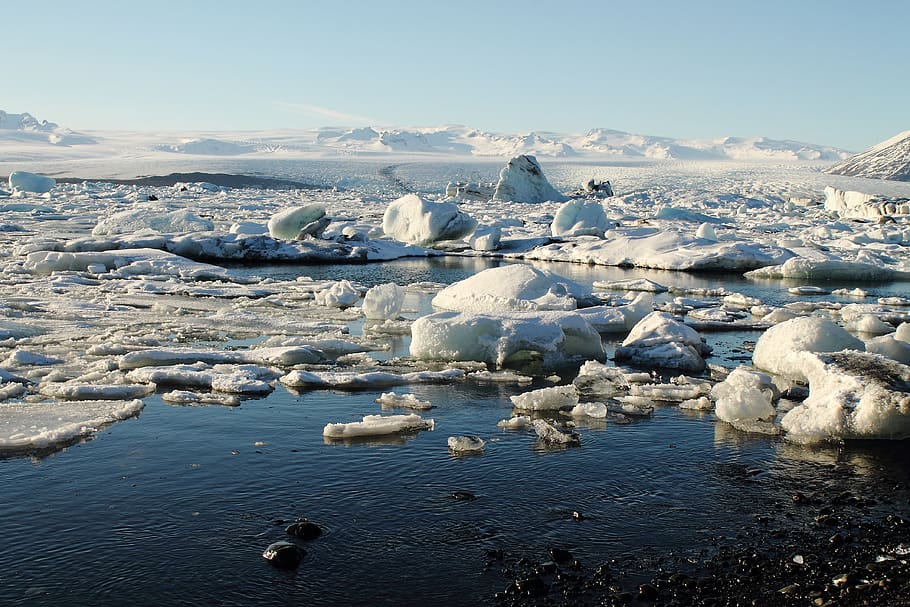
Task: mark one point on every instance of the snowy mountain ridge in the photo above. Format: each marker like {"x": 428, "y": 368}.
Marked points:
{"x": 889, "y": 159}
{"x": 452, "y": 140}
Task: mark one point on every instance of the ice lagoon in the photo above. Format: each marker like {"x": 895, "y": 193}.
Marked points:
{"x": 175, "y": 504}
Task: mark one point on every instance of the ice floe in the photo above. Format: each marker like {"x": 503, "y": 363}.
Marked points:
{"x": 779, "y": 349}
{"x": 546, "y": 399}
{"x": 659, "y": 340}
{"x": 41, "y": 425}
{"x": 377, "y": 425}
{"x": 415, "y": 220}
{"x": 352, "y": 380}
{"x": 466, "y": 444}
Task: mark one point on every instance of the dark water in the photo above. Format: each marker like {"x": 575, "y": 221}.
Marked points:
{"x": 175, "y": 507}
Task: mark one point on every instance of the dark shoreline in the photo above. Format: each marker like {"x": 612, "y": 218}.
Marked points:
{"x": 226, "y": 180}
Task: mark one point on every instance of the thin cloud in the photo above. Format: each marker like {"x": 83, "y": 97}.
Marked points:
{"x": 326, "y": 113}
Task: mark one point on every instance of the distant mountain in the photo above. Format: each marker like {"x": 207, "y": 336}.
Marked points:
{"x": 20, "y": 130}
{"x": 28, "y": 129}
{"x": 889, "y": 159}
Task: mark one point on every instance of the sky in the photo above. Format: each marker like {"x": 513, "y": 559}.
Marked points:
{"x": 828, "y": 72}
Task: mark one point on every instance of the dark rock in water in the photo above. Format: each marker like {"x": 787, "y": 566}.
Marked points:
{"x": 152, "y": 198}
{"x": 283, "y": 555}
{"x": 531, "y": 586}
{"x": 463, "y": 495}
{"x": 304, "y": 530}
{"x": 647, "y": 592}
{"x": 559, "y": 555}
{"x": 577, "y": 516}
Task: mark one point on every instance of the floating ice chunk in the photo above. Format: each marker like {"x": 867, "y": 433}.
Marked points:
{"x": 606, "y": 319}
{"x": 185, "y": 397}
{"x": 857, "y": 292}
{"x": 403, "y": 401}
{"x": 506, "y": 376}
{"x": 659, "y": 340}
{"x": 808, "y": 290}
{"x": 152, "y": 219}
{"x": 298, "y": 222}
{"x": 377, "y": 425}
{"x": 633, "y": 406}
{"x": 236, "y": 379}
{"x": 551, "y": 435}
{"x": 553, "y": 337}
{"x": 580, "y": 217}
{"x": 376, "y": 379}
{"x": 595, "y": 410}
{"x": 518, "y": 422}
{"x": 486, "y": 238}
{"x": 517, "y": 287}
{"x": 42, "y": 425}
{"x": 124, "y": 263}
{"x": 24, "y": 181}
{"x": 466, "y": 444}
{"x": 546, "y": 399}
{"x": 597, "y": 379}
{"x": 889, "y": 347}
{"x": 522, "y": 180}
{"x": 672, "y": 393}
{"x": 852, "y": 395}
{"x": 83, "y": 391}
{"x": 744, "y": 395}
{"x": 412, "y": 219}
{"x": 383, "y": 302}
{"x": 804, "y": 268}
{"x": 741, "y": 301}
{"x": 779, "y": 348}
{"x": 869, "y": 324}
{"x": 631, "y": 284}
{"x": 702, "y": 403}
{"x": 342, "y": 294}
{"x": 903, "y": 332}
{"x": 284, "y": 356}
{"x": 24, "y": 358}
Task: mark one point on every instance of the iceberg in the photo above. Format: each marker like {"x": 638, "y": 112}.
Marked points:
{"x": 414, "y": 220}
{"x": 661, "y": 341}
{"x": 779, "y": 348}
{"x": 522, "y": 180}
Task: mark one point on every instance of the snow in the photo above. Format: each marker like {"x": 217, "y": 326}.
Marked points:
{"x": 383, "y": 302}
{"x": 522, "y": 180}
{"x": 659, "y": 340}
{"x": 24, "y": 181}
{"x": 378, "y": 425}
{"x": 415, "y": 220}
{"x": 852, "y": 395}
{"x": 546, "y": 399}
{"x": 554, "y": 338}
{"x": 42, "y": 425}
{"x": 511, "y": 288}
{"x": 779, "y": 349}
{"x": 297, "y": 222}
{"x": 889, "y": 159}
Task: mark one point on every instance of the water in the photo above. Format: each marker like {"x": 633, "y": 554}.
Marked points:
{"x": 175, "y": 507}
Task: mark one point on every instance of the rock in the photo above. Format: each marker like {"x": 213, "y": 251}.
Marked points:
{"x": 560, "y": 555}
{"x": 304, "y": 530}
{"x": 522, "y": 180}
{"x": 283, "y": 555}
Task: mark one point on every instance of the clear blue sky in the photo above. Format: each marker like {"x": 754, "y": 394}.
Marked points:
{"x": 822, "y": 71}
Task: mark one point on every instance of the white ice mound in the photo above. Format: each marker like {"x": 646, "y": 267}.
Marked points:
{"x": 580, "y": 217}
{"x": 466, "y": 444}
{"x": 659, "y": 340}
{"x": 43, "y": 425}
{"x": 522, "y": 180}
{"x": 546, "y": 399}
{"x": 30, "y": 182}
{"x": 152, "y": 219}
{"x": 551, "y": 435}
{"x": 341, "y": 294}
{"x": 778, "y": 349}
{"x": 383, "y": 302}
{"x": 486, "y": 238}
{"x": 284, "y": 356}
{"x": 413, "y": 220}
{"x": 392, "y": 400}
{"x": 852, "y": 395}
{"x": 517, "y": 287}
{"x": 299, "y": 222}
{"x": 858, "y": 205}
{"x": 805, "y": 268}
{"x": 233, "y": 379}
{"x": 123, "y": 263}
{"x": 378, "y": 425}
{"x": 554, "y": 338}
{"x": 745, "y": 395}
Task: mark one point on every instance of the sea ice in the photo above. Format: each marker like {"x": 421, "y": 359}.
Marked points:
{"x": 595, "y": 410}
{"x": 377, "y": 425}
{"x": 403, "y": 401}
{"x": 298, "y": 222}
{"x": 383, "y": 302}
{"x": 351, "y": 380}
{"x": 486, "y": 238}
{"x": 152, "y": 219}
{"x": 185, "y": 397}
{"x": 744, "y": 395}
{"x": 522, "y": 180}
{"x": 518, "y": 422}
{"x": 414, "y": 220}
{"x": 551, "y": 435}
{"x": 546, "y": 399}
{"x": 779, "y": 348}
{"x": 41, "y": 425}
{"x": 890, "y": 347}
{"x": 342, "y": 294}
{"x": 514, "y": 287}
{"x": 234, "y": 379}
{"x": 659, "y": 340}
{"x": 553, "y": 338}
{"x": 466, "y": 444}
{"x": 852, "y": 395}
{"x": 24, "y": 181}
{"x": 580, "y": 217}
